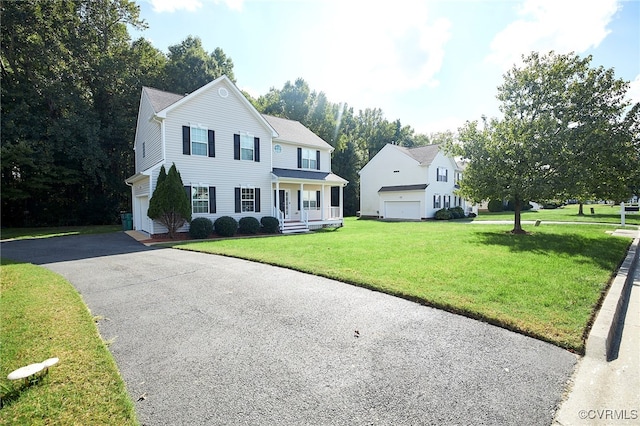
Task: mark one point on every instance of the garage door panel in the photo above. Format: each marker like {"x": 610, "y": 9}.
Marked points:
{"x": 402, "y": 209}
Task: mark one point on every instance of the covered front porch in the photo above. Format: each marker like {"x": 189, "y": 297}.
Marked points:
{"x": 306, "y": 200}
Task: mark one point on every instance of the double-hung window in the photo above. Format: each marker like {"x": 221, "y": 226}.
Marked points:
{"x": 437, "y": 204}
{"x": 200, "y": 199}
{"x": 203, "y": 198}
{"x": 199, "y": 141}
{"x": 248, "y": 200}
{"x": 442, "y": 174}
{"x": 447, "y": 201}
{"x": 309, "y": 159}
{"x": 310, "y": 200}
{"x": 246, "y": 147}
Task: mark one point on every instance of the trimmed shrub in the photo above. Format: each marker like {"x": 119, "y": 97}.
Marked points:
{"x": 443, "y": 214}
{"x": 270, "y": 224}
{"x": 456, "y": 212}
{"x": 226, "y": 226}
{"x": 248, "y": 225}
{"x": 200, "y": 228}
{"x": 495, "y": 206}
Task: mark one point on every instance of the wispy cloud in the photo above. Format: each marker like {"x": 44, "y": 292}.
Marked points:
{"x": 381, "y": 47}
{"x": 634, "y": 90}
{"x": 560, "y": 25}
{"x": 170, "y": 6}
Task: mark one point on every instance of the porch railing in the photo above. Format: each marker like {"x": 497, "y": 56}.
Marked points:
{"x": 278, "y": 214}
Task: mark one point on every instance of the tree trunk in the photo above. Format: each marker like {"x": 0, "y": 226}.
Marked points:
{"x": 517, "y": 222}
{"x": 580, "y": 211}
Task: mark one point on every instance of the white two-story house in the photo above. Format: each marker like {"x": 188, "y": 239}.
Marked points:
{"x": 233, "y": 160}
{"x": 409, "y": 183}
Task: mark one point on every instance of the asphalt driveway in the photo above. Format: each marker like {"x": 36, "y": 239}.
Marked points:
{"x": 209, "y": 340}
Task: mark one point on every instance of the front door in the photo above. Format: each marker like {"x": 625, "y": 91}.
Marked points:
{"x": 285, "y": 204}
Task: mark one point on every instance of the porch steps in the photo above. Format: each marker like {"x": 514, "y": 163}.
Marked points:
{"x": 294, "y": 227}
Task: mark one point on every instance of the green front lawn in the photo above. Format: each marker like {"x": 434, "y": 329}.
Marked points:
{"x": 42, "y": 316}
{"x": 546, "y": 284}
{"x": 601, "y": 214}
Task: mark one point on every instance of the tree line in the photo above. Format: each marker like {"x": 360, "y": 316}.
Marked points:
{"x": 71, "y": 84}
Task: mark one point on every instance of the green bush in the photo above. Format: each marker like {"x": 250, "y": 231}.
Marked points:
{"x": 443, "y": 214}
{"x": 200, "y": 228}
{"x": 496, "y": 206}
{"x": 456, "y": 212}
{"x": 226, "y": 226}
{"x": 248, "y": 225}
{"x": 270, "y": 224}
{"x": 525, "y": 206}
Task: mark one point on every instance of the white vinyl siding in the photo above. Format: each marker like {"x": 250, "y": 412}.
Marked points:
{"x": 148, "y": 137}
{"x": 228, "y": 116}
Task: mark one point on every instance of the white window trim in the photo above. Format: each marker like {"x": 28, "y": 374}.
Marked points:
{"x": 248, "y": 140}
{"x": 309, "y": 155}
{"x": 252, "y": 199}
{"x": 193, "y": 199}
{"x": 206, "y": 139}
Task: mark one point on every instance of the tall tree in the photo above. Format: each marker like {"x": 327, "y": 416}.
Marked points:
{"x": 562, "y": 135}
{"x": 61, "y": 98}
{"x": 190, "y": 67}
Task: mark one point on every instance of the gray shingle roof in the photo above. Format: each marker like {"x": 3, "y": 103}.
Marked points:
{"x": 307, "y": 175}
{"x": 160, "y": 99}
{"x": 418, "y": 187}
{"x": 422, "y": 154}
{"x": 295, "y": 132}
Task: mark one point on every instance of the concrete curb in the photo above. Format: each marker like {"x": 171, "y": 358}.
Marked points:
{"x": 603, "y": 332}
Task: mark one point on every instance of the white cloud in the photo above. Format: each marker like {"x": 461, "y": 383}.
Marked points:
{"x": 634, "y": 90}
{"x": 560, "y": 25}
{"x": 170, "y": 6}
{"x": 378, "y": 47}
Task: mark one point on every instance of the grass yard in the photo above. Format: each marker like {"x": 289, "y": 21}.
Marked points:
{"x": 42, "y": 316}
{"x": 546, "y": 284}
{"x": 26, "y": 233}
{"x": 602, "y": 214}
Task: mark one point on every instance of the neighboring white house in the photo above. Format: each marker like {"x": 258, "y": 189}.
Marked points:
{"x": 233, "y": 160}
{"x": 409, "y": 183}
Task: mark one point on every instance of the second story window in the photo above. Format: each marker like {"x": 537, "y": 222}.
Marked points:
{"x": 308, "y": 159}
{"x": 442, "y": 174}
{"x": 198, "y": 141}
{"x": 246, "y": 147}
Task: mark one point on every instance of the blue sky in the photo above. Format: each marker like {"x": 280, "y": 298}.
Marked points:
{"x": 432, "y": 64}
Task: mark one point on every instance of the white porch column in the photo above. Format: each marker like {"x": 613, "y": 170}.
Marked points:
{"x": 323, "y": 207}
{"x": 341, "y": 201}
{"x": 301, "y": 200}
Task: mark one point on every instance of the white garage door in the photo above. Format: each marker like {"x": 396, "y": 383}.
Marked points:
{"x": 402, "y": 209}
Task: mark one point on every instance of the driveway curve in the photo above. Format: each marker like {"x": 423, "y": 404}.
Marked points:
{"x": 208, "y": 340}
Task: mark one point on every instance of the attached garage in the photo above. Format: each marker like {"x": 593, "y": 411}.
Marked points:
{"x": 402, "y": 202}
{"x": 402, "y": 209}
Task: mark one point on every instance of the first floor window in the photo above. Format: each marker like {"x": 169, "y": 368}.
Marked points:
{"x": 447, "y": 201}
{"x": 200, "y": 199}
{"x": 437, "y": 202}
{"x": 248, "y": 199}
{"x": 199, "y": 141}
{"x": 311, "y": 200}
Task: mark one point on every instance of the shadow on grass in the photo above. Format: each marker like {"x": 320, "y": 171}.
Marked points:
{"x": 606, "y": 252}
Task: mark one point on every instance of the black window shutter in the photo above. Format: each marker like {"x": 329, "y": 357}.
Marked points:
{"x": 299, "y": 159}
{"x": 238, "y": 201}
{"x": 236, "y": 147}
{"x": 186, "y": 140}
{"x": 256, "y": 195}
{"x": 299, "y": 198}
{"x": 212, "y": 199}
{"x": 212, "y": 143}
{"x": 187, "y": 189}
{"x": 446, "y": 175}
{"x": 318, "y": 160}
{"x": 318, "y": 199}
{"x": 256, "y": 149}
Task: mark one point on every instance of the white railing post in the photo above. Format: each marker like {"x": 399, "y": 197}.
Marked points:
{"x": 622, "y": 220}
